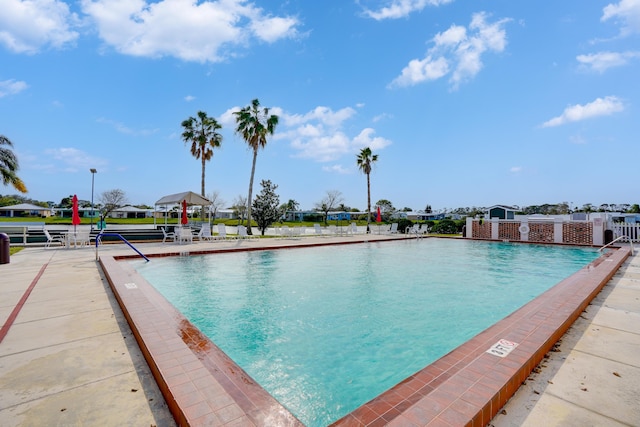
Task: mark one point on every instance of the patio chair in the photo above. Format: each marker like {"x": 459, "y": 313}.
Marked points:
{"x": 83, "y": 238}
{"x": 352, "y": 229}
{"x": 222, "y": 232}
{"x": 287, "y": 232}
{"x": 414, "y": 229}
{"x": 167, "y": 235}
{"x": 242, "y": 233}
{"x": 205, "y": 233}
{"x": 394, "y": 228}
{"x": 317, "y": 229}
{"x": 53, "y": 239}
{"x": 424, "y": 229}
{"x": 183, "y": 234}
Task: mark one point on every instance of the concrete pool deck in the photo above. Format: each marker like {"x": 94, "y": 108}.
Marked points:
{"x": 69, "y": 356}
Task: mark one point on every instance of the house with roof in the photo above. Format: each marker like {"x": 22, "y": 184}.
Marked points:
{"x": 25, "y": 209}
{"x": 501, "y": 212}
{"x": 131, "y": 212}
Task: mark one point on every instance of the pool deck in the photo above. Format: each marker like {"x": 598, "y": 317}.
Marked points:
{"x": 69, "y": 356}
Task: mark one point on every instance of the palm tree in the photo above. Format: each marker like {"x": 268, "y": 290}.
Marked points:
{"x": 9, "y": 166}
{"x": 254, "y": 124}
{"x": 365, "y": 160}
{"x": 202, "y": 132}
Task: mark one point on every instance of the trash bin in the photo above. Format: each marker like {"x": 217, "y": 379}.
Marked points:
{"x": 608, "y": 236}
{"x": 4, "y": 248}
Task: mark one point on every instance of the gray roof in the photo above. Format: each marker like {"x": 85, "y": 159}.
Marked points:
{"x": 24, "y": 207}
{"x": 191, "y": 198}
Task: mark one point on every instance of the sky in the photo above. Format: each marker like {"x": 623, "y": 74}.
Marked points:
{"x": 466, "y": 103}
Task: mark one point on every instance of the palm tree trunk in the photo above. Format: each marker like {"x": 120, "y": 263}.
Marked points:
{"x": 202, "y": 188}
{"x": 253, "y": 171}
{"x": 368, "y": 202}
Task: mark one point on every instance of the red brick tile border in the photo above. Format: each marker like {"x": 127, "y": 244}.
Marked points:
{"x": 466, "y": 387}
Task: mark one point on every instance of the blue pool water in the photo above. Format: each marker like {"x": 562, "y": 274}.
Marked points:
{"x": 326, "y": 329}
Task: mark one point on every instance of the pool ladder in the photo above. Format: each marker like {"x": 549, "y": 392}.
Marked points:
{"x": 99, "y": 239}
{"x": 615, "y": 240}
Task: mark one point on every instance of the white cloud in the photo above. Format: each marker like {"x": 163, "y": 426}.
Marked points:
{"x": 458, "y": 51}
{"x": 515, "y": 169}
{"x": 192, "y": 31}
{"x": 601, "y": 61}
{"x": 626, "y": 13}
{"x": 339, "y": 169}
{"x": 273, "y": 29}
{"x": 577, "y": 139}
{"x": 27, "y": 26}
{"x": 319, "y": 134}
{"x": 324, "y": 115}
{"x": 122, "y": 128}
{"x": 71, "y": 160}
{"x": 402, "y": 8}
{"x": 600, "y": 107}
{"x": 366, "y": 138}
{"x": 189, "y": 98}
{"x": 11, "y": 87}
{"x": 311, "y": 142}
{"x": 380, "y": 117}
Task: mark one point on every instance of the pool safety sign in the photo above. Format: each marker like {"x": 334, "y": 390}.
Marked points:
{"x": 502, "y": 348}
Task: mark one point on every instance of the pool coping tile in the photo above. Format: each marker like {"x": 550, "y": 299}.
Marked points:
{"x": 467, "y": 386}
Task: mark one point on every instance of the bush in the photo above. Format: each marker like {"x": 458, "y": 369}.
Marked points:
{"x": 403, "y": 223}
{"x": 445, "y": 226}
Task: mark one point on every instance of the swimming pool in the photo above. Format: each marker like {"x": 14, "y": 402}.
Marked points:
{"x": 325, "y": 329}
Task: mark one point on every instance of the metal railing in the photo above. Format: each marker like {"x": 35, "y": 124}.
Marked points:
{"x": 99, "y": 238}
{"x": 615, "y": 240}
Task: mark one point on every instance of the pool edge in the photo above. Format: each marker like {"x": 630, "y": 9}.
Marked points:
{"x": 468, "y": 386}
{"x": 465, "y": 387}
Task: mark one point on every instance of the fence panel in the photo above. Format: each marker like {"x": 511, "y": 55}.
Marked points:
{"x": 632, "y": 231}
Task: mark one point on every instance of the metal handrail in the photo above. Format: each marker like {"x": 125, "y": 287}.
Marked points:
{"x": 615, "y": 240}
{"x": 99, "y": 238}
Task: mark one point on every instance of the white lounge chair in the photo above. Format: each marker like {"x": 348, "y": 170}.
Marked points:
{"x": 222, "y": 232}
{"x": 414, "y": 229}
{"x": 242, "y": 233}
{"x": 167, "y": 235}
{"x": 317, "y": 229}
{"x": 352, "y": 229}
{"x": 183, "y": 234}
{"x": 205, "y": 233}
{"x": 53, "y": 239}
{"x": 424, "y": 229}
{"x": 394, "y": 228}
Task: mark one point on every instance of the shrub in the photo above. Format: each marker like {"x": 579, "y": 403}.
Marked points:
{"x": 445, "y": 226}
{"x": 403, "y": 223}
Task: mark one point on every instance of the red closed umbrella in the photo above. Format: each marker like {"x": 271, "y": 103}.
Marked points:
{"x": 184, "y": 220}
{"x": 378, "y": 216}
{"x": 75, "y": 218}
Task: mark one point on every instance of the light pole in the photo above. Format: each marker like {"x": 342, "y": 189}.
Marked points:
{"x": 93, "y": 174}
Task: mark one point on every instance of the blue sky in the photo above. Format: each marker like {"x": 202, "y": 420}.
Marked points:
{"x": 467, "y": 103}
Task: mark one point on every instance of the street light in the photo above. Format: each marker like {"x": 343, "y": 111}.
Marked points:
{"x": 93, "y": 174}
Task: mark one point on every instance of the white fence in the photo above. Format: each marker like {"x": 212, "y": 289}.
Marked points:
{"x": 632, "y": 231}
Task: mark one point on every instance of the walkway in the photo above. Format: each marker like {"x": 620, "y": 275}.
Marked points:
{"x": 592, "y": 378}
{"x": 70, "y": 358}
